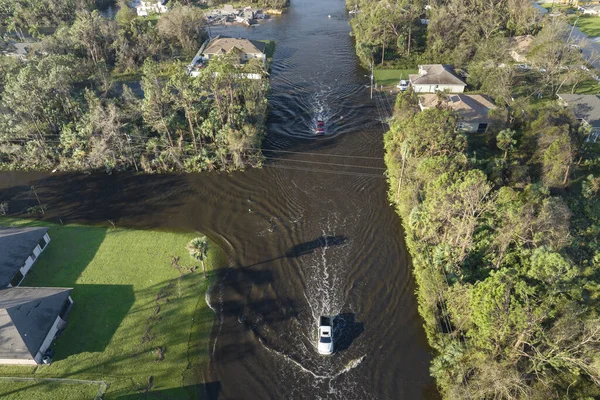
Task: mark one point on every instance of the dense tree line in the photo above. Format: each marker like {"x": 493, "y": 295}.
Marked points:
{"x": 62, "y": 108}
{"x": 503, "y": 229}
{"x": 27, "y": 16}
{"x": 451, "y": 31}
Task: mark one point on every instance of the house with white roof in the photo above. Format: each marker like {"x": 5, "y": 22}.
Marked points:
{"x": 435, "y": 78}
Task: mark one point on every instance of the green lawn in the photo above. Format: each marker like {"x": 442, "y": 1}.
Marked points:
{"x": 590, "y": 86}
{"x": 590, "y": 25}
{"x": 391, "y": 77}
{"x": 46, "y": 390}
{"x": 128, "y": 302}
{"x": 558, "y": 6}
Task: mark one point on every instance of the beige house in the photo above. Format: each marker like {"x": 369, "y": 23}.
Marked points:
{"x": 473, "y": 109}
{"x": 519, "y": 47}
{"x": 249, "y": 49}
{"x": 19, "y": 249}
{"x": 436, "y": 78}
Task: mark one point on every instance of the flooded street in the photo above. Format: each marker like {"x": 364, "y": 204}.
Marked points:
{"x": 310, "y": 234}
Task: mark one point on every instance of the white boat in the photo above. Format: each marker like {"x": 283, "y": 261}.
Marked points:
{"x": 325, "y": 344}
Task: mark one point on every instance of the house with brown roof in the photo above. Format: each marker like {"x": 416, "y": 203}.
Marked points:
{"x": 473, "y": 109}
{"x": 436, "y": 78}
{"x": 519, "y": 47}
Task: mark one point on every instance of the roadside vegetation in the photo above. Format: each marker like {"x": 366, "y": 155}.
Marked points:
{"x": 503, "y": 230}
{"x": 502, "y": 225}
{"x": 66, "y": 106}
{"x": 139, "y": 322}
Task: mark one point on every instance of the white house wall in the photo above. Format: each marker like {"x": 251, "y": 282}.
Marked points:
{"x": 15, "y": 361}
{"x": 30, "y": 261}
{"x": 438, "y": 88}
{"x": 48, "y": 341}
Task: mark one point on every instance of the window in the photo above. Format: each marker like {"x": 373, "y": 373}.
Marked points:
{"x": 482, "y": 128}
{"x": 16, "y": 279}
{"x": 33, "y": 256}
{"x": 42, "y": 243}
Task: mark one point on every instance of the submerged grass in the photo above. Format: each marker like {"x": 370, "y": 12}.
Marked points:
{"x": 135, "y": 319}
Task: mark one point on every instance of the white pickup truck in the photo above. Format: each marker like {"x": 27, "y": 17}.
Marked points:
{"x": 325, "y": 345}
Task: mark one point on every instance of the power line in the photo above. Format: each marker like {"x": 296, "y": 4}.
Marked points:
{"x": 325, "y": 163}
{"x": 364, "y": 174}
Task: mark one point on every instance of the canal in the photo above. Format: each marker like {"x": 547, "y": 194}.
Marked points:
{"x": 312, "y": 233}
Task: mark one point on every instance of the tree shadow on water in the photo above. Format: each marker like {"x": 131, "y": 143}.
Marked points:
{"x": 346, "y": 330}
{"x": 320, "y": 242}
{"x": 307, "y": 248}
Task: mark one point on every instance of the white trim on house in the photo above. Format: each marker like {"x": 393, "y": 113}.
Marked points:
{"x": 32, "y": 259}
{"x": 59, "y": 323}
{"x": 418, "y": 88}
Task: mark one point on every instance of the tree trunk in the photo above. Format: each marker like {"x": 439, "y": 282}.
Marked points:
{"x": 566, "y": 174}
{"x": 189, "y": 118}
{"x": 409, "y": 39}
{"x": 203, "y": 268}
{"x": 383, "y": 53}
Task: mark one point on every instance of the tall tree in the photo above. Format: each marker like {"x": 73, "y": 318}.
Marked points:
{"x": 198, "y": 248}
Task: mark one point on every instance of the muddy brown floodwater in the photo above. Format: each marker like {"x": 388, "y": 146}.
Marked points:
{"x": 312, "y": 233}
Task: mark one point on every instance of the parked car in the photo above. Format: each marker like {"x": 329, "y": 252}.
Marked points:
{"x": 522, "y": 67}
{"x": 403, "y": 85}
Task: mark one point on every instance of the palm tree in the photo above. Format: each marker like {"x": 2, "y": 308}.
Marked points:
{"x": 198, "y": 248}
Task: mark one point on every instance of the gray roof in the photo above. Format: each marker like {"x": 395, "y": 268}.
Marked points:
{"x": 26, "y": 316}
{"x": 472, "y": 108}
{"x": 437, "y": 74}
{"x": 16, "y": 244}
{"x": 585, "y": 106}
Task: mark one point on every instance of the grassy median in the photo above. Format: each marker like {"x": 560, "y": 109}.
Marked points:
{"x": 138, "y": 322}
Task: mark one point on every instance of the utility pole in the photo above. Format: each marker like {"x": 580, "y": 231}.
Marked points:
{"x": 371, "y": 79}
{"x": 38, "y": 200}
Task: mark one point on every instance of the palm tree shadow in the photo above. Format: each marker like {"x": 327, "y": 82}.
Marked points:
{"x": 307, "y": 248}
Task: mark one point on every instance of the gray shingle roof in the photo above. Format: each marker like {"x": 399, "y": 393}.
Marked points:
{"x": 437, "y": 74}
{"x": 585, "y": 106}
{"x": 26, "y": 316}
{"x": 16, "y": 244}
